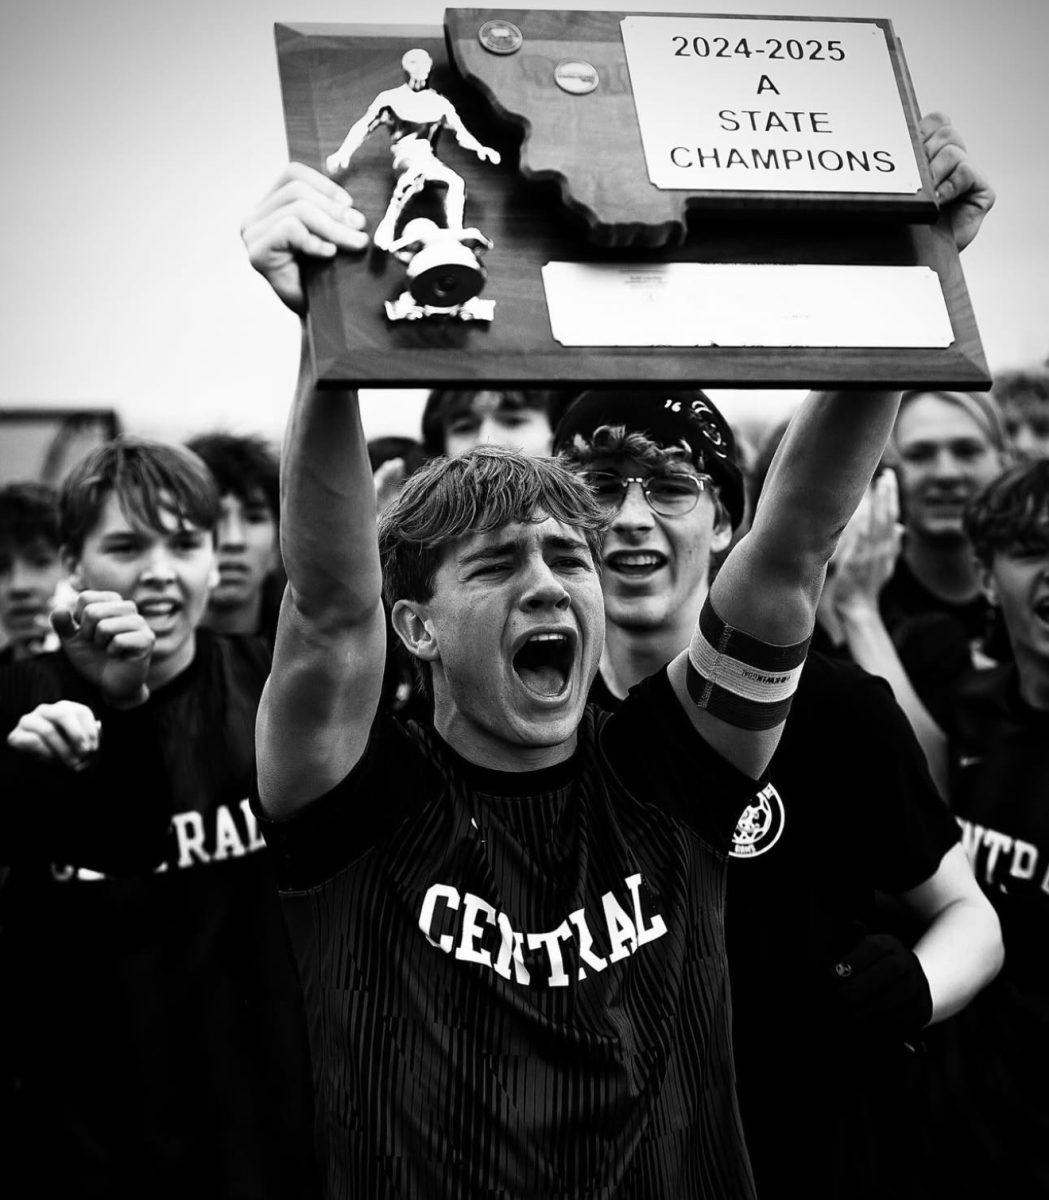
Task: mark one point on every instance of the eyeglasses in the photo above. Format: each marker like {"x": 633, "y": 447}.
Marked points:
{"x": 667, "y": 495}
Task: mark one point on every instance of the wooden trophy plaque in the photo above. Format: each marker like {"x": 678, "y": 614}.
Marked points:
{"x": 569, "y": 198}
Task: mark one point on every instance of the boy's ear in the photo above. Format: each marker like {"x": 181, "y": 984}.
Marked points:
{"x": 722, "y": 536}
{"x": 412, "y": 626}
{"x": 214, "y": 578}
{"x": 987, "y": 584}
{"x": 71, "y": 565}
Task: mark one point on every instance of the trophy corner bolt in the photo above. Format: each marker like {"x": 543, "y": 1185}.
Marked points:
{"x": 443, "y": 263}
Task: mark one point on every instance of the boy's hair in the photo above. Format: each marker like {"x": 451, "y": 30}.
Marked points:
{"x": 616, "y": 441}
{"x": 981, "y": 408}
{"x": 241, "y": 464}
{"x": 1011, "y": 514}
{"x": 148, "y": 478}
{"x": 1026, "y": 390}
{"x": 476, "y": 492}
{"x": 445, "y": 404}
{"x": 28, "y": 516}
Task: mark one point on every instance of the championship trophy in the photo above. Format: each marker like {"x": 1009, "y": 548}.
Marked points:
{"x": 680, "y": 198}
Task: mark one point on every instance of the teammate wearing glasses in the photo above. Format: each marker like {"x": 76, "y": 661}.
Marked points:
{"x": 653, "y": 455}
{"x": 848, "y": 809}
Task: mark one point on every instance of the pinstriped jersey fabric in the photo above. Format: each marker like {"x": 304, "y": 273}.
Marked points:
{"x": 516, "y": 984}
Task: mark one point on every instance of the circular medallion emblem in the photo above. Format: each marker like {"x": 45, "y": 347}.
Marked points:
{"x": 500, "y": 37}
{"x": 575, "y": 76}
{"x": 760, "y": 826}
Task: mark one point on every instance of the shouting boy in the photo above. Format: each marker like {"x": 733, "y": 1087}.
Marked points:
{"x": 510, "y": 925}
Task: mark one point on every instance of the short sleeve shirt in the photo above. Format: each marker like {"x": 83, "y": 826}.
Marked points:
{"x": 516, "y": 983}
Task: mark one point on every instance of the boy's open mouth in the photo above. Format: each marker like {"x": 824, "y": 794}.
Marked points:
{"x": 544, "y": 663}
{"x": 159, "y": 613}
{"x": 635, "y": 564}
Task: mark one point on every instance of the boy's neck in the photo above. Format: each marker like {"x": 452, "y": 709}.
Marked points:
{"x": 241, "y": 618}
{"x": 945, "y": 570}
{"x": 163, "y": 671}
{"x": 630, "y": 654}
{"x": 492, "y": 756}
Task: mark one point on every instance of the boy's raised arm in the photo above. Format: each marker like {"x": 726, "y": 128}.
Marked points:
{"x": 321, "y": 696}
{"x": 737, "y": 677}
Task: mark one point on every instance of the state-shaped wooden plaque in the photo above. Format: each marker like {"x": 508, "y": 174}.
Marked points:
{"x": 678, "y": 198}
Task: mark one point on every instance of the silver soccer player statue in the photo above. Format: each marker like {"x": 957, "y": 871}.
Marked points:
{"x": 444, "y": 270}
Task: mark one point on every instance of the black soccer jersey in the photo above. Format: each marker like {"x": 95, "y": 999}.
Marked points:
{"x": 904, "y": 597}
{"x": 989, "y": 1131}
{"x": 848, "y": 810}
{"x": 157, "y": 1027}
{"x": 516, "y": 983}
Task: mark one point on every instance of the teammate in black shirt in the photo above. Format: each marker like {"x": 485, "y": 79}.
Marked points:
{"x": 513, "y": 957}
{"x": 156, "y": 1023}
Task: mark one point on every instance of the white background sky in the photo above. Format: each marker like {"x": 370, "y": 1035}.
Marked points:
{"x": 137, "y": 133}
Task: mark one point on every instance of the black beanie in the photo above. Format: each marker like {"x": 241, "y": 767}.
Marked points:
{"x": 668, "y": 418}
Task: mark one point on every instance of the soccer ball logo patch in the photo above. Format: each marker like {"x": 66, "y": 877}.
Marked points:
{"x": 760, "y": 826}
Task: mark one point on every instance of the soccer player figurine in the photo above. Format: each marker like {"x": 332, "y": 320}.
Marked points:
{"x": 415, "y": 115}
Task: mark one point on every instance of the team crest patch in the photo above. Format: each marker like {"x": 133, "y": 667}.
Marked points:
{"x": 760, "y": 826}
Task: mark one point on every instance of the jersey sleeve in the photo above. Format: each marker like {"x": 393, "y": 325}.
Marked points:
{"x": 662, "y": 760}
{"x": 389, "y": 783}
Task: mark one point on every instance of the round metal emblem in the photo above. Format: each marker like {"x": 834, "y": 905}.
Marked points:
{"x": 575, "y": 76}
{"x": 500, "y": 37}
{"x": 760, "y": 826}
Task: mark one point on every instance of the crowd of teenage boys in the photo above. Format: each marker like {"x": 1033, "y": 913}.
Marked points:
{"x": 547, "y": 807}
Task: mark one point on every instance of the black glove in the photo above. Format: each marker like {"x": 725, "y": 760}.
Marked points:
{"x": 882, "y": 987}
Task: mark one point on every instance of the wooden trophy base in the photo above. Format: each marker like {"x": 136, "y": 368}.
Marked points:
{"x": 580, "y": 290}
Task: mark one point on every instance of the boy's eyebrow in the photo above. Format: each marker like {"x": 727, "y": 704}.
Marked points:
{"x": 139, "y": 534}
{"x": 506, "y": 549}
{"x": 564, "y": 542}
{"x": 499, "y": 550}
{"x": 117, "y": 535}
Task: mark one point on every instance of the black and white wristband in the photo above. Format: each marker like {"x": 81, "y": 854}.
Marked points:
{"x": 739, "y": 679}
